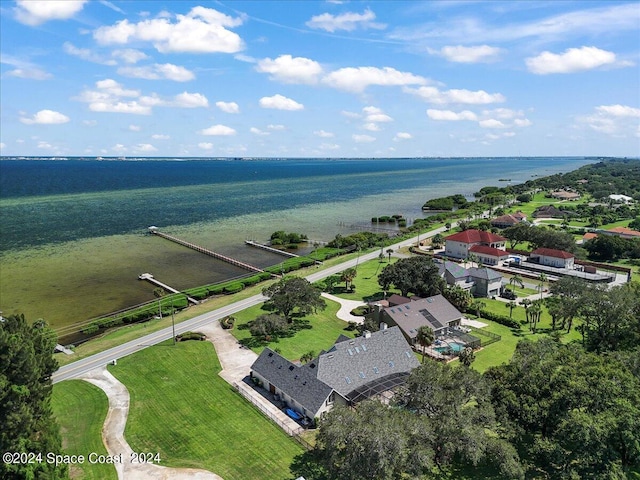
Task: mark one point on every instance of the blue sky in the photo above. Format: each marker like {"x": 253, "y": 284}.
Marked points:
{"x": 319, "y": 79}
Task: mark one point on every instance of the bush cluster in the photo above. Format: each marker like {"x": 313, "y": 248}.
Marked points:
{"x": 501, "y": 319}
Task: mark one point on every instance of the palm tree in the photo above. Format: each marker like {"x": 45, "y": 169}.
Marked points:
{"x": 389, "y": 252}
{"x": 511, "y": 305}
{"x": 542, "y": 278}
{"x": 424, "y": 337}
{"x": 447, "y": 226}
{"x": 159, "y": 293}
{"x": 347, "y": 276}
{"x": 516, "y": 279}
{"x": 535, "y": 311}
{"x": 467, "y": 356}
{"x": 477, "y": 305}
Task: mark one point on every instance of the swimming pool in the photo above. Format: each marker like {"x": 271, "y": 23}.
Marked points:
{"x": 454, "y": 346}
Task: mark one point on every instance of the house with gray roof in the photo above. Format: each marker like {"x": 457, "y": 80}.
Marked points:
{"x": 434, "y": 312}
{"x": 352, "y": 370}
{"x": 480, "y": 282}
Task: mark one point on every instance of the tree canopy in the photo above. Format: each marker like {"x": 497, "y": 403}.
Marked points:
{"x": 293, "y": 294}
{"x": 26, "y": 421}
{"x": 572, "y": 413}
{"x": 418, "y": 275}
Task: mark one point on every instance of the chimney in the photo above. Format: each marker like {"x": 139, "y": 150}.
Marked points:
{"x": 366, "y": 334}
{"x": 383, "y": 326}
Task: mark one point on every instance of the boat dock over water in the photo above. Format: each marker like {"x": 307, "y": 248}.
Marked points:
{"x": 148, "y": 277}
{"x": 269, "y": 248}
{"x": 211, "y": 253}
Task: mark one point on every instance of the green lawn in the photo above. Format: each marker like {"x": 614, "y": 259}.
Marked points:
{"x": 502, "y": 351}
{"x": 80, "y": 409}
{"x": 325, "y": 329}
{"x": 183, "y": 410}
{"x": 366, "y": 281}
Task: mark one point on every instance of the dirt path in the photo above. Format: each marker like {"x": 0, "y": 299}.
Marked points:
{"x": 113, "y": 435}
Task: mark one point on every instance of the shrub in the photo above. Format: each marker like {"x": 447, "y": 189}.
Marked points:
{"x": 233, "y": 288}
{"x": 190, "y": 336}
{"x": 360, "y": 311}
{"x": 227, "y": 322}
{"x": 501, "y": 319}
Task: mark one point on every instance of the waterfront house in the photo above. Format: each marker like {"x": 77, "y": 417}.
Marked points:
{"x": 352, "y": 370}
{"x": 459, "y": 245}
{"x": 552, "y": 258}
{"x": 434, "y": 312}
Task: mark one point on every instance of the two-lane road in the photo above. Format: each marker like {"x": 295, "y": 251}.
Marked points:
{"x": 75, "y": 369}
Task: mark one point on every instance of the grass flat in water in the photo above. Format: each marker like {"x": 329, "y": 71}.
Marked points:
{"x": 73, "y": 242}
{"x": 182, "y": 409}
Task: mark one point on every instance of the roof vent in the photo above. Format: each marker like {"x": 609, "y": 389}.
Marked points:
{"x": 312, "y": 365}
{"x": 271, "y": 354}
{"x": 291, "y": 367}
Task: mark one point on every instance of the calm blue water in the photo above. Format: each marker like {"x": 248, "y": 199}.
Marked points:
{"x": 53, "y": 201}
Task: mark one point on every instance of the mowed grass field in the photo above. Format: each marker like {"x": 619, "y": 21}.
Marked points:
{"x": 324, "y": 329}
{"x": 80, "y": 409}
{"x": 183, "y": 410}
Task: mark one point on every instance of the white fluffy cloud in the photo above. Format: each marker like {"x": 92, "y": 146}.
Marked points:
{"x": 323, "y": 134}
{"x": 572, "y": 60}
{"x": 129, "y": 55}
{"x": 45, "y": 117}
{"x": 111, "y": 96}
{"x": 206, "y": 145}
{"x": 462, "y": 54}
{"x": 613, "y": 120}
{"x": 144, "y": 148}
{"x": 279, "y": 102}
{"x": 451, "y": 116}
{"x": 202, "y": 30}
{"x": 375, "y": 115}
{"x": 228, "y": 107}
{"x": 276, "y": 127}
{"x": 135, "y": 128}
{"x": 348, "y": 21}
{"x": 36, "y": 12}
{"x": 363, "y": 138}
{"x": 288, "y": 69}
{"x": 402, "y": 136}
{"x": 86, "y": 54}
{"x": 218, "y": 131}
{"x": 165, "y": 71}
{"x": 491, "y": 123}
{"x": 30, "y": 73}
{"x": 257, "y": 131}
{"x": 357, "y": 79}
{"x": 160, "y": 136}
{"x": 460, "y": 96}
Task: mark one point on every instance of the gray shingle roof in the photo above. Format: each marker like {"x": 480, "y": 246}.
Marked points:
{"x": 410, "y": 317}
{"x": 299, "y": 382}
{"x": 350, "y": 365}
{"x": 484, "y": 273}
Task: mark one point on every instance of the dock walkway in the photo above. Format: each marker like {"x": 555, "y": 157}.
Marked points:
{"x": 270, "y": 249}
{"x": 206, "y": 251}
{"x": 148, "y": 277}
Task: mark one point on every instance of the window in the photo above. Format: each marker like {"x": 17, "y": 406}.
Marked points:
{"x": 391, "y": 364}
{"x": 361, "y": 374}
{"x": 331, "y": 398}
{"x": 375, "y": 370}
{"x": 348, "y": 380}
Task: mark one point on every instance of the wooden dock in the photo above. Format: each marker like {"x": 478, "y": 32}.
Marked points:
{"x": 198, "y": 248}
{"x": 148, "y": 277}
{"x": 270, "y": 249}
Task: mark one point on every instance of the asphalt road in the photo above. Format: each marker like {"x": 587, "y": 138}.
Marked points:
{"x": 75, "y": 369}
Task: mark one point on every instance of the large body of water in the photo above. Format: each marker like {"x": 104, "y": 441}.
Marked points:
{"x": 72, "y": 232}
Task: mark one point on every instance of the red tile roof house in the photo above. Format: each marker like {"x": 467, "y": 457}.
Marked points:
{"x": 459, "y": 245}
{"x": 552, "y": 258}
{"x": 508, "y": 220}
{"x": 623, "y": 232}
